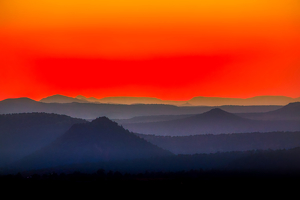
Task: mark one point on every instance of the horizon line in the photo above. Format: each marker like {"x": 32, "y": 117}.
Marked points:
{"x": 75, "y": 97}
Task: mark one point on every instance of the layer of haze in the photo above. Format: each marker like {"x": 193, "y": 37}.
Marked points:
{"x": 165, "y": 49}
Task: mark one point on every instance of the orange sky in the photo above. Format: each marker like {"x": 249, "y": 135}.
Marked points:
{"x": 158, "y": 48}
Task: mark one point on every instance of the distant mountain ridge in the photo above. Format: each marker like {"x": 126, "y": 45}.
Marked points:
{"x": 215, "y": 121}
{"x": 258, "y": 100}
{"x": 204, "y": 101}
{"x": 114, "y": 111}
{"x": 62, "y": 99}
{"x": 196, "y": 101}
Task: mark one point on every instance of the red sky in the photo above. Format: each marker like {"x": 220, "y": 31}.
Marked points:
{"x": 166, "y": 49}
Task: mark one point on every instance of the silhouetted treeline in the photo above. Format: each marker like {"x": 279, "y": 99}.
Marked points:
{"x": 277, "y": 161}
{"x": 246, "y": 170}
{"x": 205, "y": 178}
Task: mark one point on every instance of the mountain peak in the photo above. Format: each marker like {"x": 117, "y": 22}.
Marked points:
{"x": 96, "y": 141}
{"x": 217, "y": 113}
{"x": 81, "y": 97}
{"x": 105, "y": 123}
{"x": 101, "y": 120}
{"x": 58, "y": 95}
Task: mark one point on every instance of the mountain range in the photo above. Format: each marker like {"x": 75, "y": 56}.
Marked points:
{"x": 35, "y": 138}
{"x": 115, "y": 111}
{"x": 196, "y": 101}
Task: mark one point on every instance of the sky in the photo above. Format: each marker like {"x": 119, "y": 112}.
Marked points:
{"x": 169, "y": 49}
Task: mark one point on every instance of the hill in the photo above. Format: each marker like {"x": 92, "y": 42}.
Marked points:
{"x": 96, "y": 141}
{"x": 288, "y": 112}
{"x": 22, "y": 134}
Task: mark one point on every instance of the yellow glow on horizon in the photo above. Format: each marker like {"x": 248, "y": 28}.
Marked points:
{"x": 127, "y": 12}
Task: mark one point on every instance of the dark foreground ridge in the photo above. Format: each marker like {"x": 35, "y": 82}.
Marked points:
{"x": 232, "y": 170}
{"x": 96, "y": 141}
{"x": 24, "y": 133}
{"x": 275, "y": 161}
